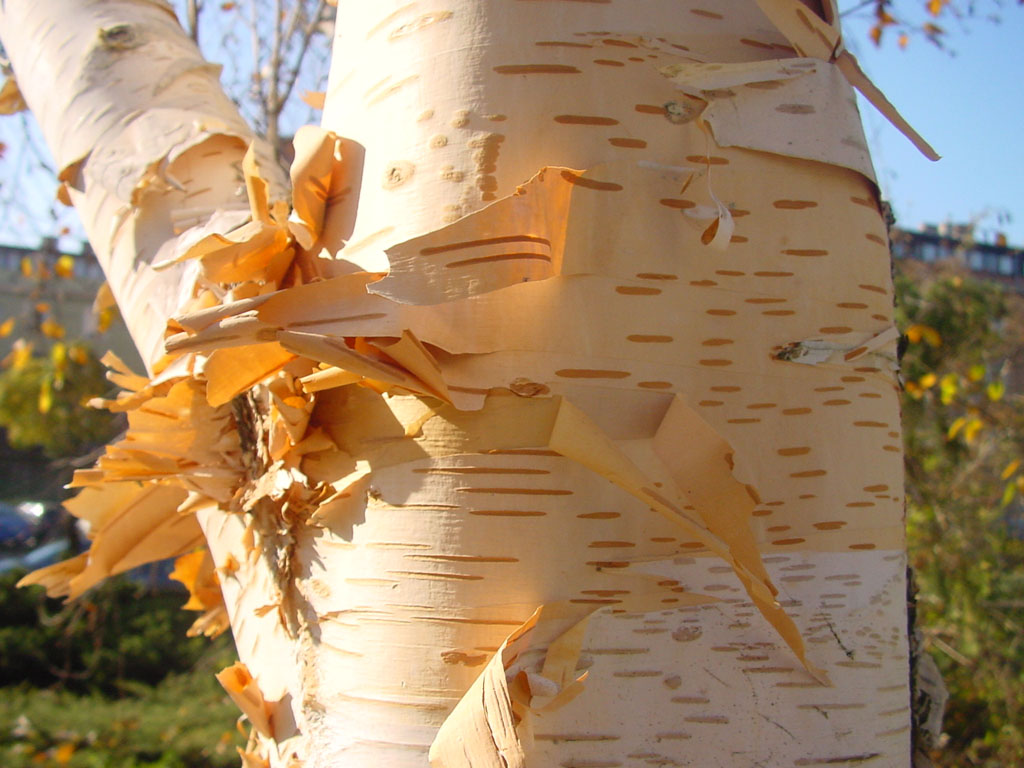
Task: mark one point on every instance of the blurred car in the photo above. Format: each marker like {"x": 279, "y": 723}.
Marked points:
{"x": 36, "y": 534}
{"x": 33, "y": 535}
{"x": 17, "y": 527}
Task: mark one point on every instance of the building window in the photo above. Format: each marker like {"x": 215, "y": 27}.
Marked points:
{"x": 1006, "y": 265}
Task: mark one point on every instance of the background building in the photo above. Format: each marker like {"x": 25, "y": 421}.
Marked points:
{"x": 933, "y": 243}
{"x": 49, "y": 294}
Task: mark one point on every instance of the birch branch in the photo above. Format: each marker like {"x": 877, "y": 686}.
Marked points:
{"x": 147, "y": 146}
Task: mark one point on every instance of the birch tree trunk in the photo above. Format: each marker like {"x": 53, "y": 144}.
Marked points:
{"x": 556, "y": 426}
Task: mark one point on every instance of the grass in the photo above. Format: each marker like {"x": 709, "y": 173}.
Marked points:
{"x": 184, "y": 721}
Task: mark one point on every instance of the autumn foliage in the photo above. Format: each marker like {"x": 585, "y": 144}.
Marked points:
{"x": 964, "y": 433}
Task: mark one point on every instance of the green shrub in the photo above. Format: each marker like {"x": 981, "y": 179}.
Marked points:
{"x": 118, "y": 632}
{"x": 185, "y": 721}
{"x": 43, "y": 401}
{"x": 963, "y": 418}
{"x": 110, "y": 681}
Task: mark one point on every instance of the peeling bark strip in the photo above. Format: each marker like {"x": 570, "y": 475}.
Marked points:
{"x": 474, "y": 489}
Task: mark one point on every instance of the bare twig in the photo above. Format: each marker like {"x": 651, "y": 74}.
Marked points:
{"x": 273, "y": 103}
{"x": 307, "y": 36}
{"x": 192, "y": 13}
{"x": 858, "y": 7}
{"x": 257, "y": 75}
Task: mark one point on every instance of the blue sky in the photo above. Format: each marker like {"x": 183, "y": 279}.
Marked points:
{"x": 968, "y": 103}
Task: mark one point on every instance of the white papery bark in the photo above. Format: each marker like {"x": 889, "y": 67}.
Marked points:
{"x": 638, "y": 305}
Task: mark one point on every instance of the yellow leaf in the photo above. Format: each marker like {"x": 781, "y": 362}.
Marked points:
{"x": 1010, "y": 468}
{"x": 52, "y": 329}
{"x": 26, "y": 266}
{"x": 928, "y": 380}
{"x": 20, "y": 354}
{"x": 971, "y": 430}
{"x": 876, "y": 34}
{"x": 929, "y": 335}
{"x": 935, "y": 6}
{"x": 976, "y": 372}
{"x": 1008, "y": 493}
{"x": 903, "y": 41}
{"x": 42, "y": 307}
{"x": 65, "y": 266}
{"x": 955, "y": 427}
{"x": 105, "y": 318}
{"x": 948, "y": 387}
{"x": 59, "y": 355}
{"x": 45, "y": 397}
{"x": 995, "y": 390}
{"x": 6, "y": 327}
{"x": 64, "y": 752}
{"x": 78, "y": 354}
